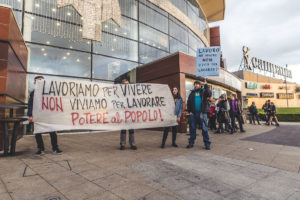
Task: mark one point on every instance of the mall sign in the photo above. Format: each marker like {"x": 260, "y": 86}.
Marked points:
{"x": 256, "y": 63}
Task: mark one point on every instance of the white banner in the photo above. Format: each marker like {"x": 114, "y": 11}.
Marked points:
{"x": 68, "y": 105}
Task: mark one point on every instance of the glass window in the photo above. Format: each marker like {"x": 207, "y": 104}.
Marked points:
{"x": 178, "y": 31}
{"x": 18, "y": 16}
{"x": 110, "y": 68}
{"x": 117, "y": 46}
{"x": 52, "y": 32}
{"x": 49, "y": 8}
{"x": 181, "y": 5}
{"x": 14, "y": 4}
{"x": 153, "y": 37}
{"x": 49, "y": 60}
{"x": 148, "y": 54}
{"x": 194, "y": 41}
{"x": 192, "y": 52}
{"x": 152, "y": 17}
{"x": 128, "y": 28}
{"x": 175, "y": 46}
{"x": 150, "y": 5}
{"x": 129, "y": 8}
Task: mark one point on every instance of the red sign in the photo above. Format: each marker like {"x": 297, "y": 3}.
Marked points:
{"x": 267, "y": 86}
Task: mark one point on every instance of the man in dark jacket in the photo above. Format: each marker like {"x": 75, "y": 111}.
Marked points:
{"x": 235, "y": 112}
{"x": 198, "y": 107}
{"x": 253, "y": 112}
{"x": 38, "y": 136}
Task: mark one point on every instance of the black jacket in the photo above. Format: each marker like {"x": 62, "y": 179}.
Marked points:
{"x": 231, "y": 109}
{"x": 30, "y": 104}
{"x": 205, "y": 94}
{"x": 222, "y": 111}
{"x": 253, "y": 109}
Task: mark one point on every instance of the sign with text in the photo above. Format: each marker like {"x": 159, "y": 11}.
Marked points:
{"x": 251, "y": 85}
{"x": 68, "y": 105}
{"x": 267, "y": 95}
{"x": 208, "y": 61}
{"x": 285, "y": 95}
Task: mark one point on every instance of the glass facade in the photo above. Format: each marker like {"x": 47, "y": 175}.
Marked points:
{"x": 56, "y": 47}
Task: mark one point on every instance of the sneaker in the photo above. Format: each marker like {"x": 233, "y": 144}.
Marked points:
{"x": 122, "y": 147}
{"x": 57, "y": 152}
{"x": 207, "y": 148}
{"x": 174, "y": 145}
{"x": 189, "y": 146}
{"x": 162, "y": 146}
{"x": 242, "y": 131}
{"x": 39, "y": 153}
{"x": 277, "y": 125}
{"x": 133, "y": 147}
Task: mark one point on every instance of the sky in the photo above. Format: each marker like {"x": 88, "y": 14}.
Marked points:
{"x": 270, "y": 28}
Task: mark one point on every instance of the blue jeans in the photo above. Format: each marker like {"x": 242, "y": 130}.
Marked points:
{"x": 194, "y": 121}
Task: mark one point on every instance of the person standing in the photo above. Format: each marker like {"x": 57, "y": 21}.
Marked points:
{"x": 265, "y": 107}
{"x": 178, "y": 112}
{"x": 235, "y": 113}
{"x": 222, "y": 115}
{"x": 198, "y": 107}
{"x": 212, "y": 117}
{"x": 273, "y": 114}
{"x": 123, "y": 132}
{"x": 38, "y": 136}
{"x": 254, "y": 113}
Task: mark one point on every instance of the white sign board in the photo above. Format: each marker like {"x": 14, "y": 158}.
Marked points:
{"x": 208, "y": 61}
{"x": 68, "y": 105}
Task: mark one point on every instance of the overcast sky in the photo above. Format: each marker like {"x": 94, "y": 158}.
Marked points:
{"x": 270, "y": 28}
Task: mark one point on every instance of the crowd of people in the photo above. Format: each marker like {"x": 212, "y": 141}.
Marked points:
{"x": 222, "y": 116}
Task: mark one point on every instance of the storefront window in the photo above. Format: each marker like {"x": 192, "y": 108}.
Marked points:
{"x": 110, "y": 68}
{"x": 49, "y": 60}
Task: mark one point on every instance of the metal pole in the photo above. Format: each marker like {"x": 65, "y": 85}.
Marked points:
{"x": 287, "y": 99}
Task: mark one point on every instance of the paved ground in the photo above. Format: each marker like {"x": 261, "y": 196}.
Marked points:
{"x": 285, "y": 135}
{"x": 92, "y": 167}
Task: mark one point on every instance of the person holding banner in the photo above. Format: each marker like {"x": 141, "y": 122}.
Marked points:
{"x": 123, "y": 132}
{"x": 178, "y": 112}
{"x": 38, "y": 136}
{"x": 198, "y": 107}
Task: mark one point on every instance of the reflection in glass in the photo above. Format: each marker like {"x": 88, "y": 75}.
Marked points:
{"x": 54, "y": 33}
{"x": 175, "y": 46}
{"x": 110, "y": 68}
{"x": 128, "y": 28}
{"x": 181, "y": 5}
{"x": 178, "y": 31}
{"x": 148, "y": 54}
{"x": 153, "y": 38}
{"x": 14, "y": 4}
{"x": 151, "y": 17}
{"x": 129, "y": 8}
{"x": 49, "y": 60}
{"x": 117, "y": 47}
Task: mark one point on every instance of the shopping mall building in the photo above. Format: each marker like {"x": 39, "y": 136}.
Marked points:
{"x": 157, "y": 39}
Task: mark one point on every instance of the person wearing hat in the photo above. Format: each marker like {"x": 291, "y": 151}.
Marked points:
{"x": 198, "y": 107}
{"x": 38, "y": 136}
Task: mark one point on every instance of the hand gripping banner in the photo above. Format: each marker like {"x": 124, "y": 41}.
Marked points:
{"x": 69, "y": 105}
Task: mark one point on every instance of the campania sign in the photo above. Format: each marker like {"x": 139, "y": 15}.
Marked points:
{"x": 256, "y": 63}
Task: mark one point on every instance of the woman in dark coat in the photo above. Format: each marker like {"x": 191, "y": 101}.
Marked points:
{"x": 178, "y": 112}
{"x": 222, "y": 115}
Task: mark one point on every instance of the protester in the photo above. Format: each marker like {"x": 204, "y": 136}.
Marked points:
{"x": 178, "y": 112}
{"x": 266, "y": 107}
{"x": 235, "y": 113}
{"x": 38, "y": 136}
{"x": 198, "y": 107}
{"x": 212, "y": 117}
{"x": 254, "y": 113}
{"x": 222, "y": 115}
{"x": 273, "y": 114}
{"x": 123, "y": 132}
